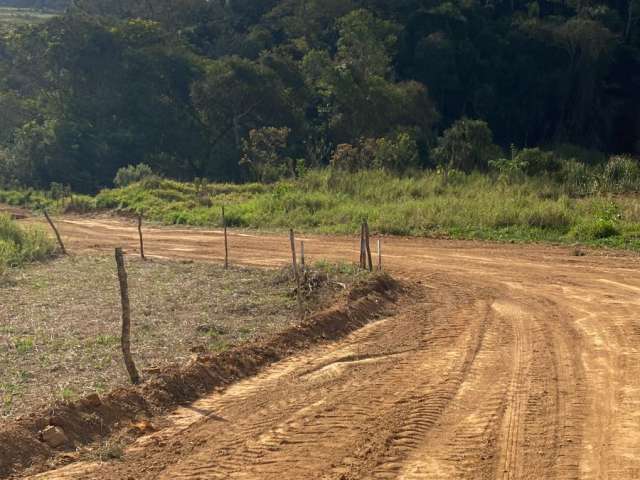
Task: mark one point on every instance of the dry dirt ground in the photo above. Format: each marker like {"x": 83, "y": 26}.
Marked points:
{"x": 510, "y": 362}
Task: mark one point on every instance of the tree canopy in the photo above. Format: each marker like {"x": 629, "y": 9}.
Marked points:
{"x": 193, "y": 87}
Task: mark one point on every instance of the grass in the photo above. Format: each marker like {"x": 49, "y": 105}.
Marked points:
{"x": 62, "y": 342}
{"x": 20, "y": 245}
{"x": 473, "y": 206}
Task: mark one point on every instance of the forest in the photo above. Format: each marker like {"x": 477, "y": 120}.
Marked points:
{"x": 260, "y": 90}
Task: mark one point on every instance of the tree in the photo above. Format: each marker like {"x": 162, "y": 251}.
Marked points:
{"x": 235, "y": 96}
{"x": 467, "y": 145}
{"x": 366, "y": 44}
{"x": 264, "y": 154}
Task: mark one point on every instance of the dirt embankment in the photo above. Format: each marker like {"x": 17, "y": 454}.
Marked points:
{"x": 93, "y": 418}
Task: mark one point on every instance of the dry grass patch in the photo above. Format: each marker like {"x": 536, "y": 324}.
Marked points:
{"x": 60, "y": 321}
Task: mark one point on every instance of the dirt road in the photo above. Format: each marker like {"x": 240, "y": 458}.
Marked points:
{"x": 511, "y": 362}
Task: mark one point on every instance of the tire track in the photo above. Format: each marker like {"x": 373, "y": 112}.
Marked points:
{"x": 508, "y": 362}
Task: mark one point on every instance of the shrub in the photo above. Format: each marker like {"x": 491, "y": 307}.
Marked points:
{"x": 264, "y": 154}
{"x": 467, "y": 145}
{"x": 596, "y": 230}
{"x": 549, "y": 216}
{"x": 538, "y": 161}
{"x": 352, "y": 158}
{"x": 19, "y": 245}
{"x": 577, "y": 178}
{"x": 132, "y": 174}
{"x": 80, "y": 204}
{"x": 396, "y": 153}
{"x": 620, "y": 174}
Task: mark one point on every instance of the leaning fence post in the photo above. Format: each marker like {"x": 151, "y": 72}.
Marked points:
{"x": 368, "y": 247}
{"x": 292, "y": 239}
{"x": 226, "y": 242}
{"x": 379, "y": 255}
{"x": 140, "y": 234}
{"x": 55, "y": 230}
{"x": 125, "y": 339}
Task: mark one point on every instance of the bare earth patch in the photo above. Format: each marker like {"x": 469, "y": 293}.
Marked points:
{"x": 60, "y": 322}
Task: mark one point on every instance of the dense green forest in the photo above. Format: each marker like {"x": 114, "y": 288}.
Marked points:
{"x": 265, "y": 89}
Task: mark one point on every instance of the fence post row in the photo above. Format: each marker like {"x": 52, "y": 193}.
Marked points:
{"x": 55, "y": 230}
{"x": 125, "y": 339}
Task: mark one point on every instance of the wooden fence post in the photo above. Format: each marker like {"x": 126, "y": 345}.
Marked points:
{"x": 302, "y": 260}
{"x": 368, "y": 247}
{"x": 55, "y": 230}
{"x": 140, "y": 235}
{"x": 125, "y": 339}
{"x": 292, "y": 239}
{"x": 379, "y": 255}
{"x": 226, "y": 241}
{"x": 363, "y": 261}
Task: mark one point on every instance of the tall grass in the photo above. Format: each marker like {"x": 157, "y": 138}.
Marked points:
{"x": 20, "y": 245}
{"x": 423, "y": 203}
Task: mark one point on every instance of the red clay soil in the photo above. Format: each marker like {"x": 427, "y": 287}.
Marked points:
{"x": 93, "y": 418}
{"x": 508, "y": 361}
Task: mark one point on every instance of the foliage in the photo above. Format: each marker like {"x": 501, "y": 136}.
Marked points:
{"x": 424, "y": 203}
{"x": 395, "y": 153}
{"x": 621, "y": 174}
{"x": 467, "y": 145}
{"x": 264, "y": 156}
{"x": 179, "y": 85}
{"x": 132, "y": 174}
{"x": 19, "y": 245}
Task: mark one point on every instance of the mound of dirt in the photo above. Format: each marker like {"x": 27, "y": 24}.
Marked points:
{"x": 93, "y": 418}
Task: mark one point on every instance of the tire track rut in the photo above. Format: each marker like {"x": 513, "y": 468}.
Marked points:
{"x": 507, "y": 362}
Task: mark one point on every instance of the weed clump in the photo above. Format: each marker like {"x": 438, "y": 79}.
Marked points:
{"x": 20, "y": 245}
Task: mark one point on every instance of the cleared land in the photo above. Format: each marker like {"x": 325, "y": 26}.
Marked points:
{"x": 504, "y": 362}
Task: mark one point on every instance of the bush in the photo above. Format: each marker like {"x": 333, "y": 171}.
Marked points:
{"x": 467, "y": 145}
{"x": 19, "y": 245}
{"x": 577, "y": 178}
{"x": 132, "y": 174}
{"x": 620, "y": 174}
{"x": 538, "y": 162}
{"x": 80, "y": 204}
{"x": 395, "y": 153}
{"x": 596, "y": 230}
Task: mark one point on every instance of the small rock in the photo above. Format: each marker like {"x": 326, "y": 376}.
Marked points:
{"x": 53, "y": 436}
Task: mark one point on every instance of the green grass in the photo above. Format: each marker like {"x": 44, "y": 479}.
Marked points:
{"x": 473, "y": 206}
{"x": 20, "y": 245}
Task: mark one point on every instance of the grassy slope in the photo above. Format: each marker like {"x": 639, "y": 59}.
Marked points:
{"x": 465, "y": 206}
